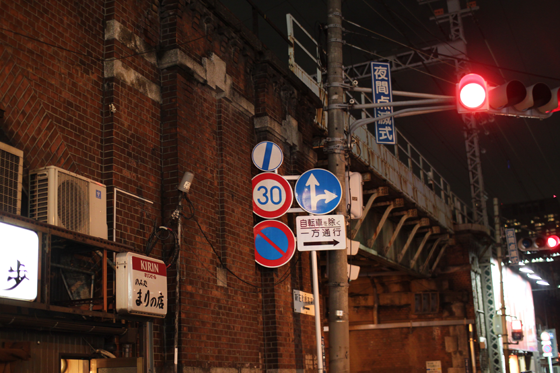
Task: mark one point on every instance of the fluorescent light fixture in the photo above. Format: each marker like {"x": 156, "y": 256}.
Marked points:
{"x": 542, "y": 282}
{"x": 526, "y": 270}
{"x": 534, "y": 277}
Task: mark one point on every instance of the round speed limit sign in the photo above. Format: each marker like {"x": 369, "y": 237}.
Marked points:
{"x": 272, "y": 195}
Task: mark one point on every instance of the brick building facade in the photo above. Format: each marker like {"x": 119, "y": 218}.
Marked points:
{"x": 134, "y": 93}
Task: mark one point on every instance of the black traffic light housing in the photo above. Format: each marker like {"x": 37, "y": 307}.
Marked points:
{"x": 510, "y": 99}
{"x": 540, "y": 242}
{"x": 517, "y": 330}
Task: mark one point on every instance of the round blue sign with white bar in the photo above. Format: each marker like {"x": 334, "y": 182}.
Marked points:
{"x": 267, "y": 156}
{"x": 318, "y": 191}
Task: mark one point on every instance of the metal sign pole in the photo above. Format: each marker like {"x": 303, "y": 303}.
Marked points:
{"x": 317, "y": 311}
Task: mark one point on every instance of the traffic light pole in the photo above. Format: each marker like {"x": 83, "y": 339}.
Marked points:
{"x": 480, "y": 215}
{"x": 498, "y": 238}
{"x": 339, "y": 337}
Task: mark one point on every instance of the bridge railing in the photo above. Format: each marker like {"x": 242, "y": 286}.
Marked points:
{"x": 311, "y": 73}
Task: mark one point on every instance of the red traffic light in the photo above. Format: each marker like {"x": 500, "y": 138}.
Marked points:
{"x": 517, "y": 330}
{"x": 513, "y": 98}
{"x": 516, "y": 325}
{"x": 472, "y": 94}
{"x": 552, "y": 241}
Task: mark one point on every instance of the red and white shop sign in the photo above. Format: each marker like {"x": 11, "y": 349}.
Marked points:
{"x": 141, "y": 285}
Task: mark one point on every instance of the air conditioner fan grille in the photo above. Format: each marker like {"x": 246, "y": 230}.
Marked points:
{"x": 73, "y": 203}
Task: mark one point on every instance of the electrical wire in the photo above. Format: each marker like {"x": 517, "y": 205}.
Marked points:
{"x": 412, "y": 68}
{"x": 193, "y": 217}
{"x": 396, "y": 42}
{"x": 524, "y": 120}
{"x": 153, "y": 50}
{"x": 456, "y": 58}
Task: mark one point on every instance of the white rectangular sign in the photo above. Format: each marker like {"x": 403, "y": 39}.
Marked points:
{"x": 304, "y": 303}
{"x": 19, "y": 262}
{"x": 321, "y": 232}
{"x": 141, "y": 285}
{"x": 433, "y": 366}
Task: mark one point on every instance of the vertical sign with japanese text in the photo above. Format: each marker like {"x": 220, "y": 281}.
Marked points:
{"x": 382, "y": 93}
{"x": 141, "y": 285}
{"x": 511, "y": 242}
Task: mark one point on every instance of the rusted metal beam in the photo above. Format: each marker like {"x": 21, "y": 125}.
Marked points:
{"x": 420, "y": 248}
{"x": 43, "y": 293}
{"x": 408, "y": 214}
{"x": 439, "y": 257}
{"x": 422, "y": 223}
{"x": 104, "y": 274}
{"x": 34, "y": 225}
{"x": 399, "y": 202}
{"x": 358, "y": 224}
{"x": 432, "y": 250}
{"x": 53, "y": 308}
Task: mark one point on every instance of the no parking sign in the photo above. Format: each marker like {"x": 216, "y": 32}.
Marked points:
{"x": 275, "y": 243}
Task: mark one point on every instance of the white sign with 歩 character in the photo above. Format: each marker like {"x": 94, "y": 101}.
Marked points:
{"x": 141, "y": 285}
{"x": 19, "y": 263}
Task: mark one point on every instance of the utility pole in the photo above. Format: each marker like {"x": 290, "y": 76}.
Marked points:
{"x": 339, "y": 337}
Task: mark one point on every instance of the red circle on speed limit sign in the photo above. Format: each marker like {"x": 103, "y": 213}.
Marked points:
{"x": 272, "y": 195}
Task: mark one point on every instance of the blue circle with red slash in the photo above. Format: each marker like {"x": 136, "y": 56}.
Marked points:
{"x": 275, "y": 243}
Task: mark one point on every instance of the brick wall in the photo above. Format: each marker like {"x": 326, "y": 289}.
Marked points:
{"x": 133, "y": 94}
{"x": 388, "y": 301}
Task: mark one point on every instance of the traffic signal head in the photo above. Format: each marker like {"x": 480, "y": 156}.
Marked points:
{"x": 512, "y": 98}
{"x": 517, "y": 330}
{"x": 549, "y": 242}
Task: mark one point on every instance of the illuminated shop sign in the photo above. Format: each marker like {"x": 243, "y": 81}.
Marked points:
{"x": 519, "y": 305}
{"x": 19, "y": 262}
{"x": 141, "y": 285}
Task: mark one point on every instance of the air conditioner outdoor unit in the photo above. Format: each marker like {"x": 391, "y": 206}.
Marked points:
{"x": 67, "y": 200}
{"x": 11, "y": 175}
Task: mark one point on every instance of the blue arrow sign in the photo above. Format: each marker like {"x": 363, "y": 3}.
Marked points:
{"x": 318, "y": 191}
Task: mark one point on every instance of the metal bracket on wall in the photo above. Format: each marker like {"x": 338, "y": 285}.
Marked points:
{"x": 379, "y": 192}
{"x": 439, "y": 256}
{"x": 424, "y": 222}
{"x": 408, "y": 214}
{"x": 432, "y": 250}
{"x": 422, "y": 244}
{"x": 399, "y": 202}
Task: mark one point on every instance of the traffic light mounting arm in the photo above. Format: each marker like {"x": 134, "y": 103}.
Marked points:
{"x": 401, "y": 113}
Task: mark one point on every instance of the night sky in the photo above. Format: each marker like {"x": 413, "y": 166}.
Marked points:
{"x": 520, "y": 157}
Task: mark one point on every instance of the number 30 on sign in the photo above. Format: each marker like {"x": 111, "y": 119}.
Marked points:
{"x": 272, "y": 195}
